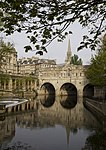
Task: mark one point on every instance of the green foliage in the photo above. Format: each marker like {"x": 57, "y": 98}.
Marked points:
{"x": 29, "y": 78}
{"x": 96, "y": 72}
{"x": 102, "y": 46}
{"x": 46, "y": 20}
{"x": 75, "y": 60}
{"x": 4, "y": 77}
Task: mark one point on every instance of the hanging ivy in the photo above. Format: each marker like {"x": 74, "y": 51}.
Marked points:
{"x": 29, "y": 78}
{"x": 4, "y": 78}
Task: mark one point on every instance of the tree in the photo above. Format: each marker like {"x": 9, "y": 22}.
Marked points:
{"x": 46, "y": 20}
{"x": 75, "y": 60}
{"x": 102, "y": 46}
{"x": 96, "y": 72}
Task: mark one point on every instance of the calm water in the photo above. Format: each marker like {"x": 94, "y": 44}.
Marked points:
{"x": 50, "y": 123}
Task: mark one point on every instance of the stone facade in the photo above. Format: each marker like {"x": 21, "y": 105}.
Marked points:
{"x": 63, "y": 74}
{"x": 11, "y": 81}
{"x": 34, "y": 65}
{"x": 31, "y": 74}
{"x": 10, "y": 64}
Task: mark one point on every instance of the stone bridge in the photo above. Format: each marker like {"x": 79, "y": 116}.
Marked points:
{"x": 64, "y": 79}
{"x": 67, "y": 80}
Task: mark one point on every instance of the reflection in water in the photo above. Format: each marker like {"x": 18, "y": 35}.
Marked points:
{"x": 51, "y": 128}
{"x": 17, "y": 146}
{"x": 68, "y": 102}
{"x": 96, "y": 141}
{"x": 7, "y": 131}
{"x": 2, "y": 117}
{"x": 47, "y": 100}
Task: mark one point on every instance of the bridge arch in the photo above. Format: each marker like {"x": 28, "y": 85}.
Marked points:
{"x": 88, "y": 90}
{"x": 47, "y": 89}
{"x": 68, "y": 89}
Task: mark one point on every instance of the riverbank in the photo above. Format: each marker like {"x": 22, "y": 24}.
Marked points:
{"x": 96, "y": 107}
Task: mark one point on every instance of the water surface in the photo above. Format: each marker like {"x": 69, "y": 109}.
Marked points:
{"x": 60, "y": 123}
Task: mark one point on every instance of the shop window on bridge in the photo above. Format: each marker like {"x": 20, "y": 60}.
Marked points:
{"x": 68, "y": 74}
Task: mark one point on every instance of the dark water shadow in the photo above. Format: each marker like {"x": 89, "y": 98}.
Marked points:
{"x": 68, "y": 102}
{"x": 47, "y": 100}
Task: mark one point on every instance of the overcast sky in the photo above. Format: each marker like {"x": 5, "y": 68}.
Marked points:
{"x": 56, "y": 50}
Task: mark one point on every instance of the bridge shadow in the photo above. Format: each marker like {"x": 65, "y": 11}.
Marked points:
{"x": 47, "y": 100}
{"x": 68, "y": 102}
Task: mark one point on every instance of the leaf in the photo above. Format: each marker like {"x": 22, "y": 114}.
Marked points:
{"x": 37, "y": 47}
{"x": 39, "y": 52}
{"x": 80, "y": 48}
{"x": 70, "y": 32}
{"x": 27, "y": 48}
{"x": 19, "y": 29}
{"x": 43, "y": 41}
{"x": 44, "y": 49}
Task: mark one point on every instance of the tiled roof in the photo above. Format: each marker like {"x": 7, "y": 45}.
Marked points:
{"x": 36, "y": 61}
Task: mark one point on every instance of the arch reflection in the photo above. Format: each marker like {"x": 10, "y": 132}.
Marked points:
{"x": 68, "y": 102}
{"x": 47, "y": 100}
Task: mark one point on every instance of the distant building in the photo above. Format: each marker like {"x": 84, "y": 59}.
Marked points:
{"x": 32, "y": 65}
{"x": 10, "y": 63}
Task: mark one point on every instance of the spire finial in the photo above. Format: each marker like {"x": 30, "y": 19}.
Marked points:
{"x": 69, "y": 53}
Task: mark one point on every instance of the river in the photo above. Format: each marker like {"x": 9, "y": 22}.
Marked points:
{"x": 60, "y": 123}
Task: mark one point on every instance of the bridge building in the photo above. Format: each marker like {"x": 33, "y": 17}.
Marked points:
{"x": 44, "y": 76}
{"x": 63, "y": 79}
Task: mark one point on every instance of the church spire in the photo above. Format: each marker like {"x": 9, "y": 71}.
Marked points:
{"x": 69, "y": 53}
{"x": 68, "y": 130}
